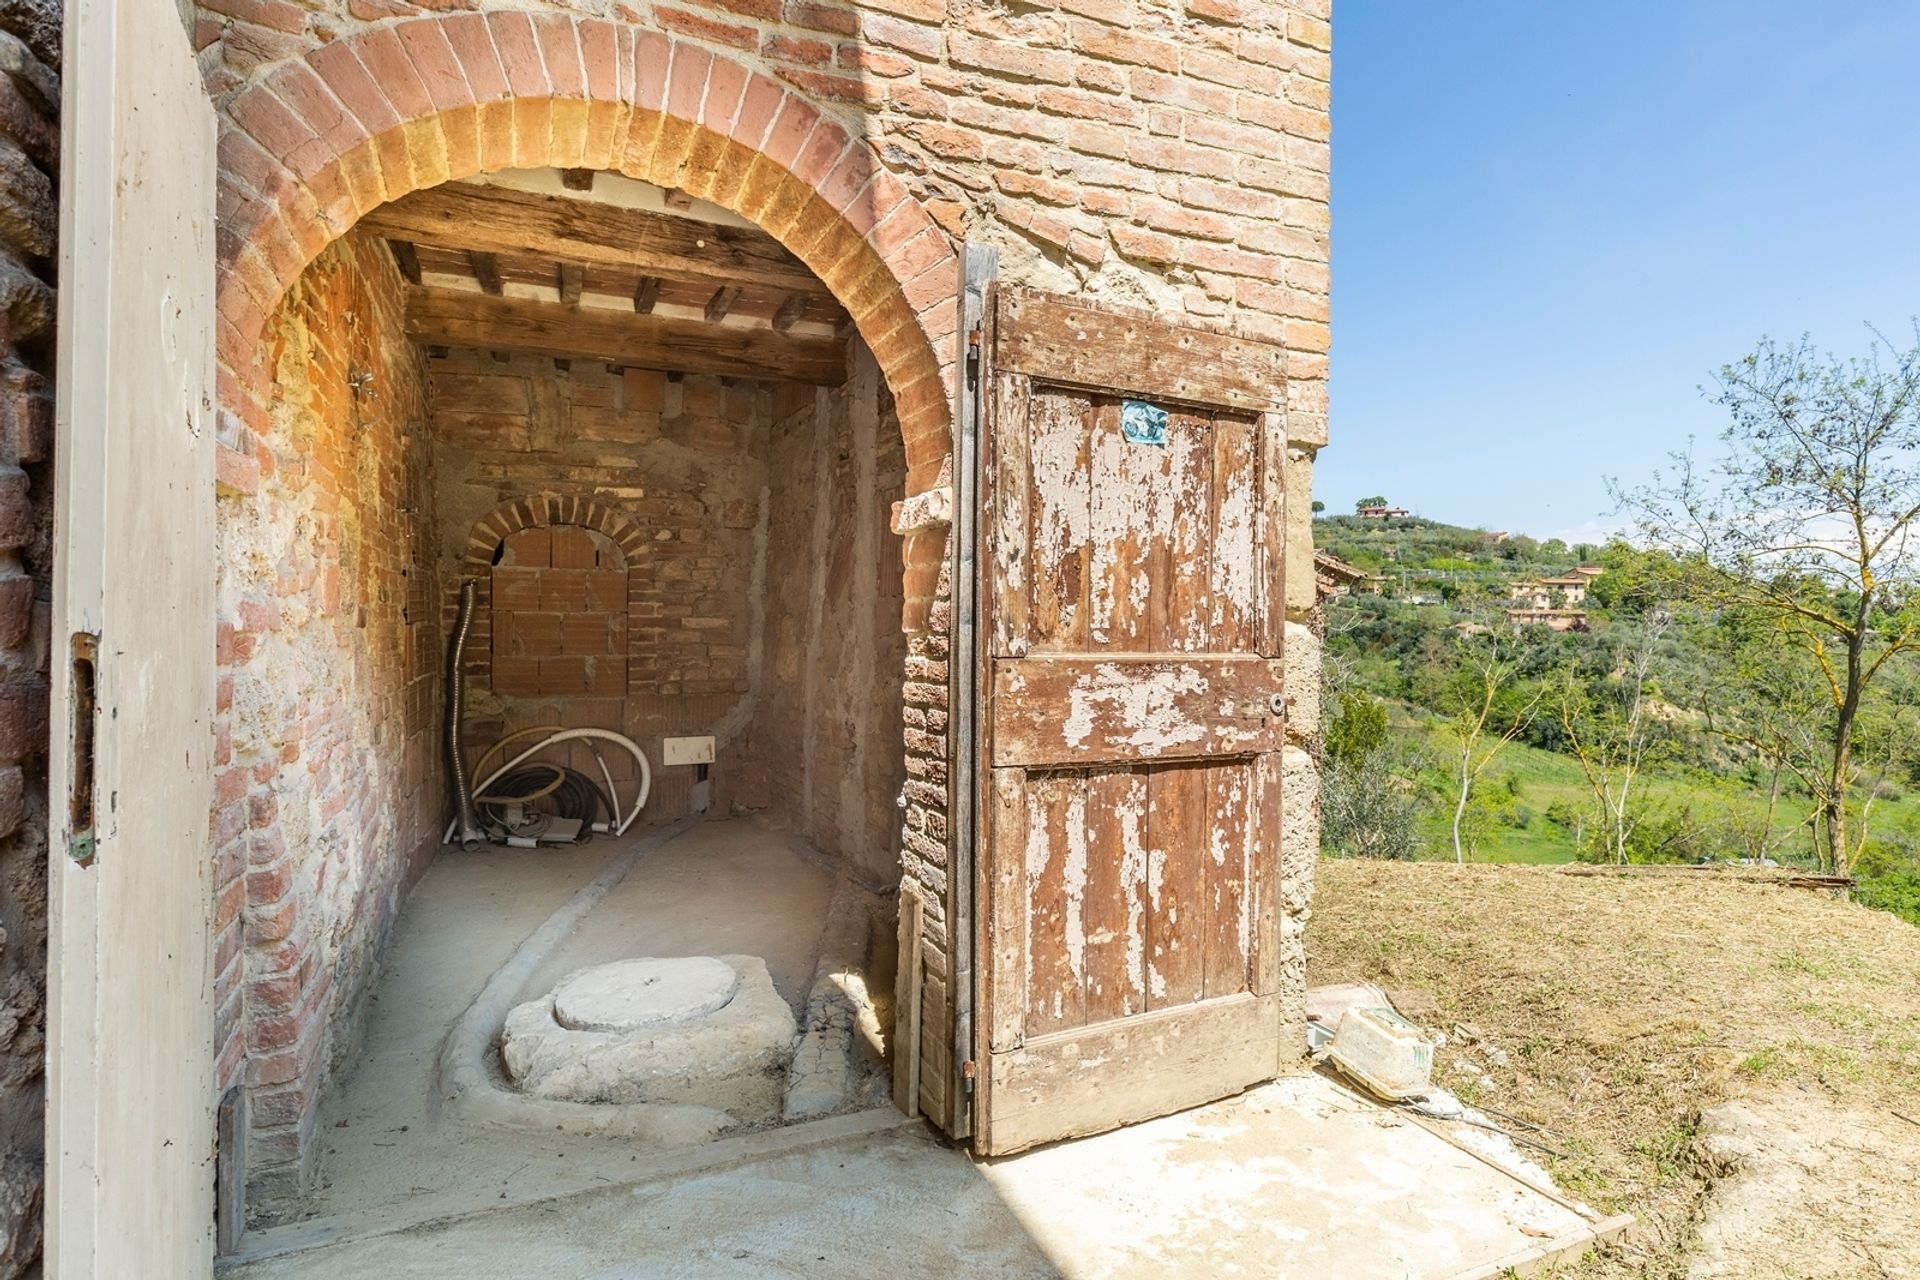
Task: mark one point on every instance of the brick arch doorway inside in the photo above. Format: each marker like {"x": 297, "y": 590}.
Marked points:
{"x": 671, "y": 490}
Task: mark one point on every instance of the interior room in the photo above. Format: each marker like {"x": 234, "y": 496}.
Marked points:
{"x": 628, "y": 453}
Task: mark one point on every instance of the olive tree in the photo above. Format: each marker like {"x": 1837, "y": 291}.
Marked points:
{"x": 1809, "y": 524}
{"x": 1485, "y": 699}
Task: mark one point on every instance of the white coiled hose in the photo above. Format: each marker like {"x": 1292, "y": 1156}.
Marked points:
{"x": 577, "y": 735}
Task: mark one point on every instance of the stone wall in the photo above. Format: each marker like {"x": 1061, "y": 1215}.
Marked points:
{"x": 329, "y": 786}
{"x": 826, "y": 727}
{"x": 29, "y": 147}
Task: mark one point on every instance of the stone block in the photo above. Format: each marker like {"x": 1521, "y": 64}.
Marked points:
{"x": 686, "y": 1046}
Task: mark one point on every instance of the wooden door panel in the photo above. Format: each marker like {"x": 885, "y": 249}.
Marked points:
{"x": 1129, "y": 723}
{"x": 1271, "y": 614}
{"x": 1097, "y": 710}
{"x": 130, "y": 1016}
{"x": 1130, "y": 1069}
{"x": 1236, "y": 589}
{"x": 1114, "y": 903}
{"x": 1125, "y": 614}
{"x": 1056, "y": 857}
{"x": 1235, "y": 802}
{"x": 1059, "y": 511}
{"x": 1124, "y": 548}
{"x": 1184, "y": 571}
{"x": 1113, "y": 349}
{"x": 1107, "y": 913}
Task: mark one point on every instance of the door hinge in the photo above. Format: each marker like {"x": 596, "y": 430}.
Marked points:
{"x": 968, "y": 1070}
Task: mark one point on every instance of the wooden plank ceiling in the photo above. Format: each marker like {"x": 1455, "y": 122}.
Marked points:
{"x": 519, "y": 272}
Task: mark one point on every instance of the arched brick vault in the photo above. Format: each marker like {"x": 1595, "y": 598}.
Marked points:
{"x": 371, "y": 117}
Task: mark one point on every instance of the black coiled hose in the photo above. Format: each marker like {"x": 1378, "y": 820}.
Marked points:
{"x": 574, "y": 796}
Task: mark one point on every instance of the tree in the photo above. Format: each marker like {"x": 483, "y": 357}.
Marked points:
{"x": 1770, "y": 703}
{"x": 1608, "y": 729}
{"x": 1485, "y": 703}
{"x": 1369, "y": 805}
{"x": 1318, "y": 506}
{"x": 1810, "y": 525}
{"x": 1375, "y": 501}
{"x": 1358, "y": 728}
{"x": 1636, "y": 578}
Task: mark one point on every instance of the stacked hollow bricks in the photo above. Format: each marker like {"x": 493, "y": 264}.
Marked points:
{"x": 1169, "y": 153}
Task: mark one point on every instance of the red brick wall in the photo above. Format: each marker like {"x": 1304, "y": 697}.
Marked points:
{"x": 674, "y": 467}
{"x": 1174, "y": 151}
{"x": 329, "y": 785}
{"x": 761, "y": 602}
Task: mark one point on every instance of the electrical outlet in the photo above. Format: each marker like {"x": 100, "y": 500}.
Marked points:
{"x": 686, "y": 751}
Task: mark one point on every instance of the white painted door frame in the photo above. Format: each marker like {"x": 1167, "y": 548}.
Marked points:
{"x": 130, "y": 1007}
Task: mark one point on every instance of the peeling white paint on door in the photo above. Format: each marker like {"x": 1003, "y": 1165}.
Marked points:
{"x": 1150, "y": 707}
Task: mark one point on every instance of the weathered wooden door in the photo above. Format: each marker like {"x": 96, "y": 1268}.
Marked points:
{"x": 1131, "y": 616}
{"x": 130, "y": 1044}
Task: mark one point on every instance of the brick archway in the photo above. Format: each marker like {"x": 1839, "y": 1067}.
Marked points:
{"x": 328, "y": 136}
{"x": 490, "y": 530}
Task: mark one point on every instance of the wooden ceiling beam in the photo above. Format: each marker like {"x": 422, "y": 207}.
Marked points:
{"x": 486, "y": 269}
{"x": 573, "y": 279}
{"x": 791, "y": 309}
{"x": 407, "y": 258}
{"x": 459, "y": 319}
{"x": 721, "y": 302}
{"x": 646, "y": 294}
{"x": 459, "y": 215}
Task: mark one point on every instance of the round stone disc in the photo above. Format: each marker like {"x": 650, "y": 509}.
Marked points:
{"x": 628, "y": 995}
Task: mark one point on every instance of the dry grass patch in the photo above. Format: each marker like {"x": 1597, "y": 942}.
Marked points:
{"x": 1612, "y": 1010}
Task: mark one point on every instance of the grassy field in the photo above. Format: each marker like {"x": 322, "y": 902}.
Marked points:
{"x": 1546, "y": 778}
{"x": 1611, "y": 1017}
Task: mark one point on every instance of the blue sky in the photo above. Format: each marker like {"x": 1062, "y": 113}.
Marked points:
{"x": 1551, "y": 222}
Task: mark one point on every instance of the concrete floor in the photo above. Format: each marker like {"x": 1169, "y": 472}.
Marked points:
{"x": 721, "y": 887}
{"x": 1298, "y": 1178}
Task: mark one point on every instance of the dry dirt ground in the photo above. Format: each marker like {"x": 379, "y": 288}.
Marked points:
{"x": 1736, "y": 1064}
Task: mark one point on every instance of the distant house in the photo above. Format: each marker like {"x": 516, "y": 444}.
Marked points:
{"x": 1333, "y": 576}
{"x": 1383, "y": 513}
{"x": 1555, "y": 619}
{"x": 1588, "y": 571}
{"x": 1567, "y": 590}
